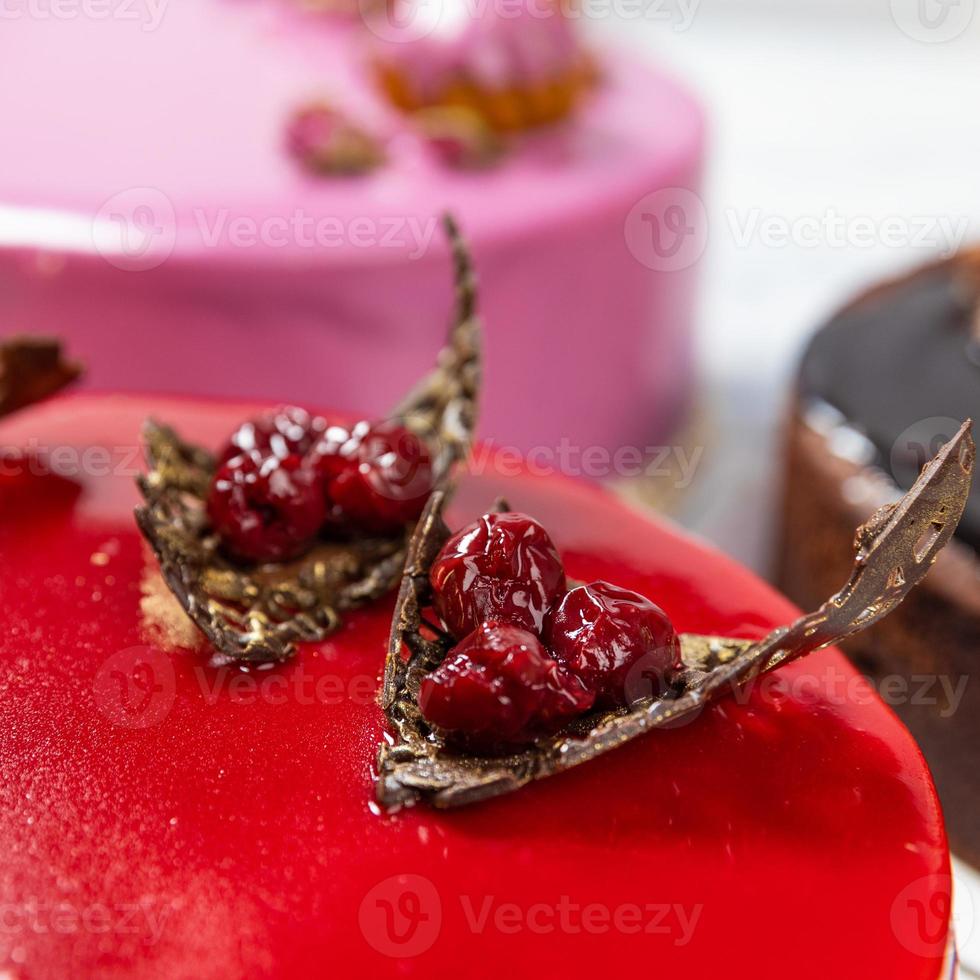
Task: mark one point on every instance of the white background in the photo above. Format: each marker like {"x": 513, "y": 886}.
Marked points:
{"x": 812, "y": 109}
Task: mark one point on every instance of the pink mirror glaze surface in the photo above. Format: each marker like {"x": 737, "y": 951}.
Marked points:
{"x": 152, "y": 216}
{"x": 220, "y": 824}
{"x": 197, "y": 106}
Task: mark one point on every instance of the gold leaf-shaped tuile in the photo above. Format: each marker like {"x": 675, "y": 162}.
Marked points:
{"x": 894, "y": 551}
{"x": 258, "y": 613}
{"x": 32, "y": 369}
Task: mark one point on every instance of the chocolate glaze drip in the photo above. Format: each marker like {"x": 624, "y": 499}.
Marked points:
{"x": 898, "y": 362}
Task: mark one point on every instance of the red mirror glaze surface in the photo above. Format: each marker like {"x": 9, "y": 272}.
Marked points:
{"x": 160, "y": 818}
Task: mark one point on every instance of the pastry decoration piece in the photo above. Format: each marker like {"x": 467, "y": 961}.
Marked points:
{"x": 325, "y": 142}
{"x": 296, "y": 521}
{"x": 513, "y": 69}
{"x": 347, "y": 9}
{"x": 32, "y": 369}
{"x": 459, "y": 136}
{"x": 588, "y": 633}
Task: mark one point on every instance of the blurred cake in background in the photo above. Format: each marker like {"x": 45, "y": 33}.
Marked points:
{"x": 242, "y": 197}
{"x": 888, "y": 379}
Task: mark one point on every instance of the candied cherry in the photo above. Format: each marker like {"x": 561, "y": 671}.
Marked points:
{"x": 331, "y": 455}
{"x": 502, "y": 568}
{"x": 282, "y": 432}
{"x": 266, "y": 508}
{"x": 379, "y": 479}
{"x": 499, "y": 688}
{"x": 622, "y": 646}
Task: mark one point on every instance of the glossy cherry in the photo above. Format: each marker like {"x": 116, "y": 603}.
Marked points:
{"x": 283, "y": 431}
{"x": 502, "y": 568}
{"x": 622, "y": 646}
{"x": 266, "y": 508}
{"x": 499, "y": 687}
{"x": 328, "y": 453}
{"x": 380, "y": 479}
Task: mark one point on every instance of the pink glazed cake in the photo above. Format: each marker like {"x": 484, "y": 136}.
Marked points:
{"x": 156, "y": 212}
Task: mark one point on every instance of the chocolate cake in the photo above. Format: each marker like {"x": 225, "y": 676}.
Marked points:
{"x": 889, "y": 377}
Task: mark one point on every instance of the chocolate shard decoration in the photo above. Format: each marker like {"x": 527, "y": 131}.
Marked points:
{"x": 32, "y": 369}
{"x": 894, "y": 551}
{"x": 257, "y": 614}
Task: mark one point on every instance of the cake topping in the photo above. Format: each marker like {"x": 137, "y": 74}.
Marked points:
{"x": 269, "y": 547}
{"x": 379, "y": 479}
{"x": 326, "y": 142}
{"x": 424, "y": 761}
{"x": 459, "y": 136}
{"x": 499, "y": 585}
{"x": 516, "y": 68}
{"x": 32, "y": 369}
{"x": 503, "y": 567}
{"x": 499, "y": 688}
{"x": 341, "y": 8}
{"x": 616, "y": 640}
{"x": 266, "y": 508}
{"x": 281, "y": 432}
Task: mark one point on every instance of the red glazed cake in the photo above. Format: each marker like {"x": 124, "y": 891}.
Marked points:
{"x": 166, "y": 818}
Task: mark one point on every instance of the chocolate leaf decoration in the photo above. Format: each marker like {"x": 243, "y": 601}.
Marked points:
{"x": 257, "y": 613}
{"x": 894, "y": 551}
{"x": 32, "y": 369}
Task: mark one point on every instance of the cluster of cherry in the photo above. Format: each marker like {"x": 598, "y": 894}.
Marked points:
{"x": 531, "y": 654}
{"x": 288, "y": 477}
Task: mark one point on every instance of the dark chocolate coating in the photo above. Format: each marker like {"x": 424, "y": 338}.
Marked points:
{"x": 897, "y": 363}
